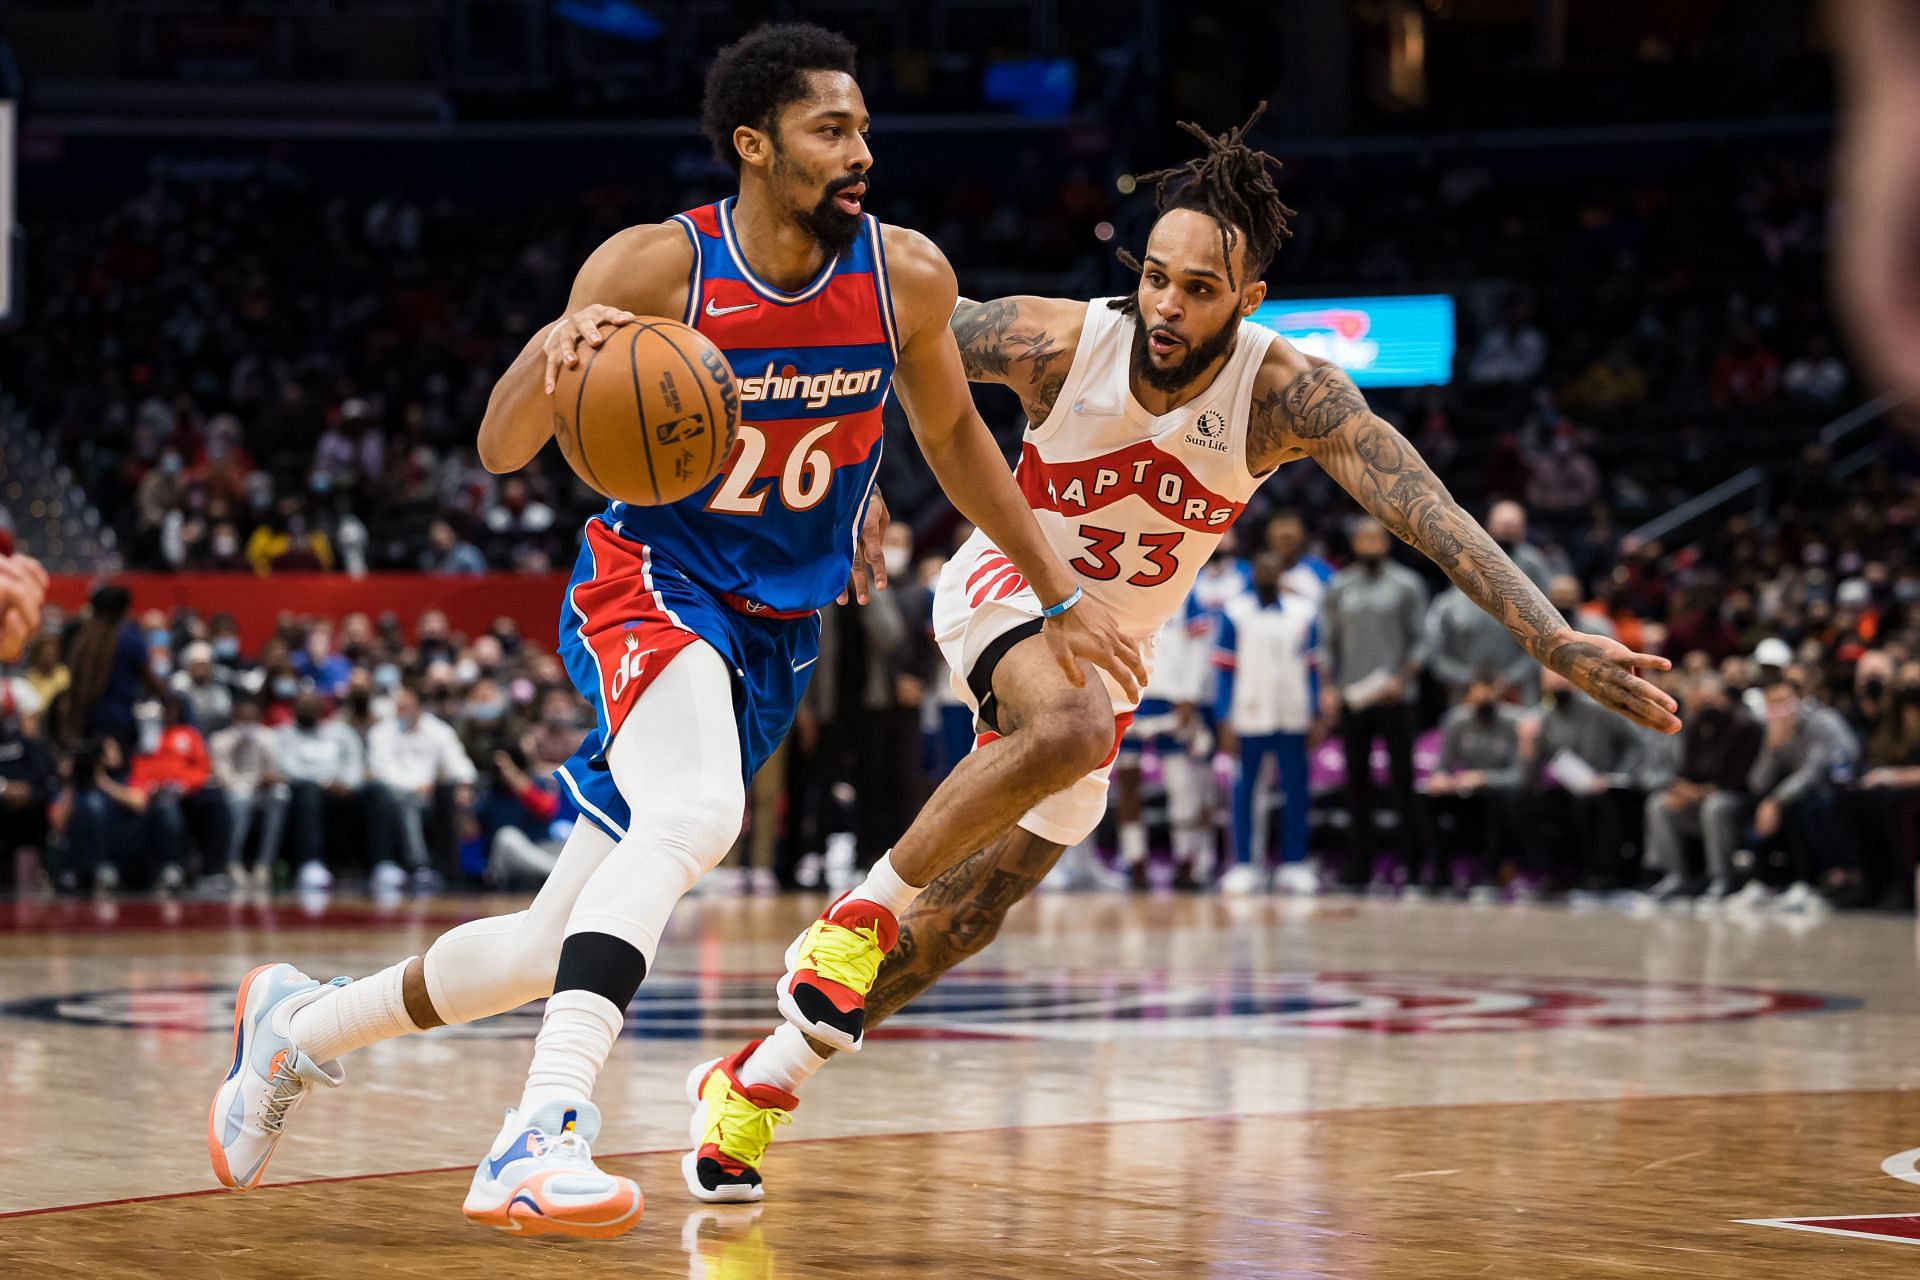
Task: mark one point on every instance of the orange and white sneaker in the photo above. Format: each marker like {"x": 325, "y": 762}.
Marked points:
{"x": 732, "y": 1125}
{"x": 831, "y": 967}
{"x": 269, "y": 1078}
{"x": 539, "y": 1178}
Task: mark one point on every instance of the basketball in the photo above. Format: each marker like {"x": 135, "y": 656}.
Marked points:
{"x": 648, "y": 416}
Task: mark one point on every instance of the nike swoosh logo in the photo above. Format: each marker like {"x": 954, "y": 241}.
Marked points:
{"x": 727, "y": 311}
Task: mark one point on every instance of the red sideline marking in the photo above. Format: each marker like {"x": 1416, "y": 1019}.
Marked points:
{"x": 1891, "y": 1228}
{"x": 1329, "y": 1113}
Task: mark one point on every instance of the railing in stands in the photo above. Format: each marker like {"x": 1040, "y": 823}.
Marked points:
{"x": 1755, "y": 482}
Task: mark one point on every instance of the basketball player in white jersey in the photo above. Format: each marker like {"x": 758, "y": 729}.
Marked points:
{"x": 1152, "y": 420}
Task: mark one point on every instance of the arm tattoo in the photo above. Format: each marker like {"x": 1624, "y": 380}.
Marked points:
{"x": 995, "y": 346}
{"x": 1372, "y": 461}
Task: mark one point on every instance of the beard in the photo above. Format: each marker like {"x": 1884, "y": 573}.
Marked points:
{"x": 1191, "y": 366}
{"x": 831, "y": 226}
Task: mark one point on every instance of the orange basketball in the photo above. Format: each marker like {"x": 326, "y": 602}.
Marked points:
{"x": 649, "y": 415}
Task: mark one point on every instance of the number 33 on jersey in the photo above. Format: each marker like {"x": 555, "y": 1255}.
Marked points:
{"x": 1133, "y": 502}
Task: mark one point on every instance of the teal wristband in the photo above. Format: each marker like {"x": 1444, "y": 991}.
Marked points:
{"x": 1054, "y": 611}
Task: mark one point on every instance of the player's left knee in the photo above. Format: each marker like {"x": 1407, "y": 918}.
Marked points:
{"x": 1067, "y": 742}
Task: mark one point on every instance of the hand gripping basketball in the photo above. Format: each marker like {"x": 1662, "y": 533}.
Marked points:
{"x": 564, "y": 339}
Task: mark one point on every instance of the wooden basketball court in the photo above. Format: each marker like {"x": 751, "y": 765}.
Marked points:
{"x": 1122, "y": 1086}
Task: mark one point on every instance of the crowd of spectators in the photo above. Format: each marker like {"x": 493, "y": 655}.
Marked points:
{"x": 246, "y": 378}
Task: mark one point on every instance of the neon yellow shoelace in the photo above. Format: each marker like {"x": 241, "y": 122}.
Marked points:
{"x": 850, "y": 957}
{"x": 740, "y": 1129}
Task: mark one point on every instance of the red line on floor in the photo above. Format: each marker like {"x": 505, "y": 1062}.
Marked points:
{"x": 1636, "y": 1099}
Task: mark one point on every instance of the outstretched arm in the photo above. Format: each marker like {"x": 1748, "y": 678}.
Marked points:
{"x": 1024, "y": 343}
{"x": 964, "y": 458}
{"x": 1308, "y": 407}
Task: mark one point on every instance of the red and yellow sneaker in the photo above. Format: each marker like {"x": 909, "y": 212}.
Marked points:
{"x": 732, "y": 1125}
{"x": 831, "y": 967}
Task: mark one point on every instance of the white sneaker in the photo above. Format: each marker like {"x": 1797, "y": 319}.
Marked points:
{"x": 1712, "y": 898}
{"x": 172, "y": 878}
{"x": 315, "y": 878}
{"x": 539, "y": 1178}
{"x": 269, "y": 1077}
{"x": 1669, "y": 886}
{"x": 1802, "y": 899}
{"x": 106, "y": 879}
{"x": 387, "y": 880}
{"x": 1298, "y": 879}
{"x": 1242, "y": 880}
{"x": 1753, "y": 897}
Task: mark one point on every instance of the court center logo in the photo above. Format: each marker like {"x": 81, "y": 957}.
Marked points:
{"x": 1075, "y": 1005}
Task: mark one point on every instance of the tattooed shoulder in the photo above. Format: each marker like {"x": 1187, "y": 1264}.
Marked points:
{"x": 1311, "y": 406}
{"x": 981, "y": 328}
{"x": 1002, "y": 341}
{"x": 1319, "y": 400}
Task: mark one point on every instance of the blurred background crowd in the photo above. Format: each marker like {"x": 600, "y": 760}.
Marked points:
{"x": 260, "y": 355}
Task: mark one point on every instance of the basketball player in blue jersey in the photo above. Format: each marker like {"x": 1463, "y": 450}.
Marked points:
{"x": 691, "y": 628}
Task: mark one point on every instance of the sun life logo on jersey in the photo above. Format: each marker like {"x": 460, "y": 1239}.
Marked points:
{"x": 1211, "y": 429}
{"x": 632, "y": 663}
{"x": 814, "y": 390}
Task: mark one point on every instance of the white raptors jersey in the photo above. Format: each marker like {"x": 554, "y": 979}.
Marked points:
{"x": 1135, "y": 503}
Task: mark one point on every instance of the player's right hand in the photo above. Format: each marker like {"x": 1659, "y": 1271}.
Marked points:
{"x": 564, "y": 339}
{"x": 23, "y": 589}
{"x": 1088, "y": 632}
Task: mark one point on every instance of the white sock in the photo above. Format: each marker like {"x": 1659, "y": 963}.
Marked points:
{"x": 576, "y": 1035}
{"x": 884, "y": 886}
{"x": 354, "y": 1016}
{"x": 784, "y": 1060}
{"x": 1133, "y": 843}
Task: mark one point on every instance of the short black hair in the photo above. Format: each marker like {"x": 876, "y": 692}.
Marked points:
{"x": 1231, "y": 183}
{"x": 755, "y": 76}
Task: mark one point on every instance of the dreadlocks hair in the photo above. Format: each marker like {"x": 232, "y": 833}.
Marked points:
{"x": 1231, "y": 183}
{"x": 755, "y": 76}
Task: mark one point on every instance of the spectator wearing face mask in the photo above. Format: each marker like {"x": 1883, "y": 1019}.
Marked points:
{"x": 220, "y": 552}
{"x": 411, "y": 755}
{"x": 1708, "y": 797}
{"x": 276, "y": 682}
{"x": 100, "y": 818}
{"x": 1372, "y": 650}
{"x": 1265, "y": 703}
{"x": 325, "y": 770}
{"x": 1479, "y": 770}
{"x": 1807, "y": 749}
{"x": 199, "y": 684}
{"x": 187, "y": 816}
{"x": 1583, "y": 770}
{"x": 245, "y": 766}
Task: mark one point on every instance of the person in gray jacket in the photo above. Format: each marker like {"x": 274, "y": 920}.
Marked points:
{"x": 1462, "y": 640}
{"x": 1371, "y": 652}
{"x": 1584, "y": 772}
{"x": 1808, "y": 746}
{"x": 1480, "y": 769}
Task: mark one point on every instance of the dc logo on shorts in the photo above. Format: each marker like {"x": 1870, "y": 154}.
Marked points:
{"x": 632, "y": 663}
